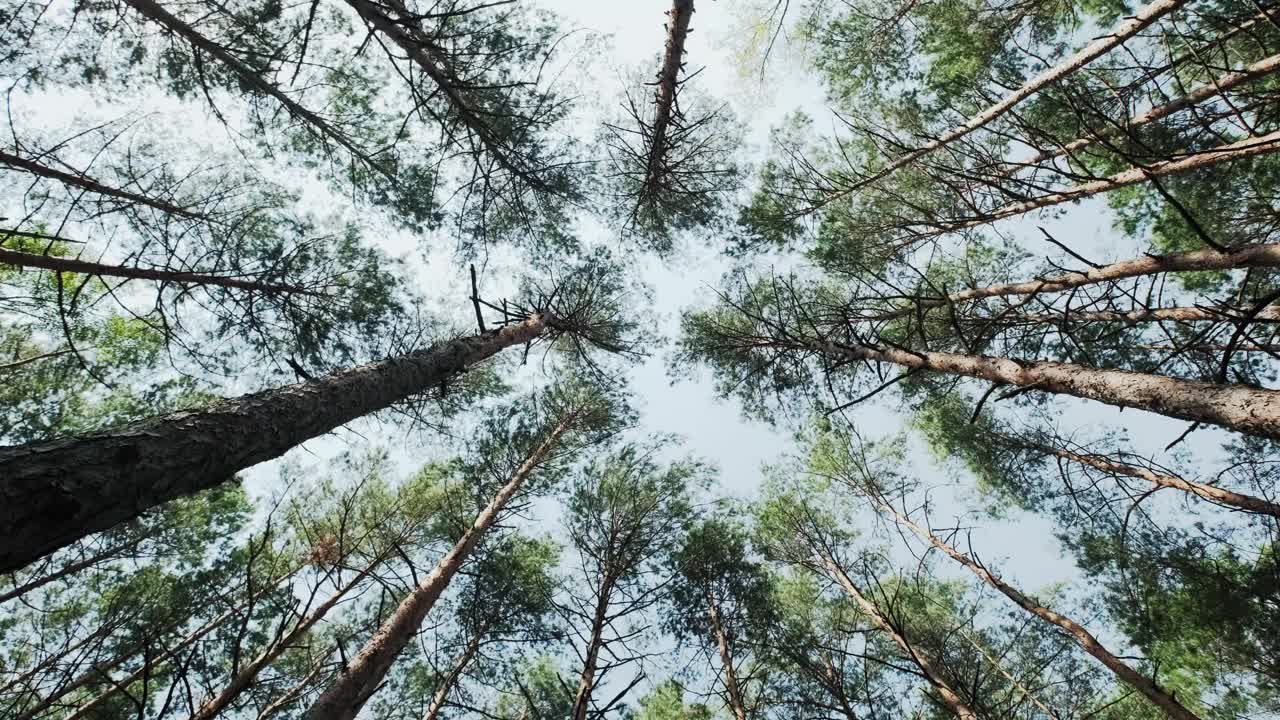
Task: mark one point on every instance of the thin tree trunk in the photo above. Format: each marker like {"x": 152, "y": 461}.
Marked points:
{"x": 214, "y": 706}
{"x": 56, "y": 492}
{"x": 1246, "y": 148}
{"x": 678, "y": 18}
{"x": 1017, "y": 684}
{"x": 1081, "y": 636}
{"x": 93, "y": 186}
{"x": 343, "y": 699}
{"x": 939, "y": 683}
{"x": 70, "y": 568}
{"x": 1269, "y": 314}
{"x": 1262, "y": 255}
{"x": 1130, "y": 27}
{"x": 587, "y": 679}
{"x": 35, "y": 358}
{"x": 84, "y": 267}
{"x": 1215, "y": 87}
{"x": 100, "y": 670}
{"x": 1248, "y": 503}
{"x": 1253, "y": 411}
{"x": 406, "y": 34}
{"x": 155, "y": 12}
{"x": 732, "y": 689}
{"x": 294, "y": 692}
{"x": 451, "y": 680}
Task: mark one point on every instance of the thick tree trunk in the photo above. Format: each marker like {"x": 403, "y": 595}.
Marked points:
{"x": 1241, "y": 149}
{"x": 1248, "y": 503}
{"x": 1130, "y": 27}
{"x": 93, "y": 186}
{"x": 949, "y": 696}
{"x": 343, "y": 699}
{"x": 1244, "y": 409}
{"x": 177, "y": 277}
{"x": 100, "y": 671}
{"x": 1263, "y": 255}
{"x": 1216, "y": 87}
{"x": 587, "y": 678}
{"x": 678, "y": 18}
{"x": 55, "y": 492}
{"x": 451, "y": 680}
{"x": 1073, "y": 630}
{"x": 243, "y": 680}
{"x": 153, "y": 11}
{"x": 732, "y": 690}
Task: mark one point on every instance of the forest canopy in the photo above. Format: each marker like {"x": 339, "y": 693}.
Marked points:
{"x": 672, "y": 360}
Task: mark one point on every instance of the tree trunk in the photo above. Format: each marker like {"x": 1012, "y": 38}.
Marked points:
{"x": 177, "y": 277}
{"x": 1244, "y": 409}
{"x": 70, "y": 568}
{"x": 732, "y": 689}
{"x": 1244, "y": 502}
{"x": 678, "y": 18}
{"x": 152, "y": 10}
{"x": 1130, "y": 27}
{"x": 214, "y": 706}
{"x": 1269, "y": 314}
{"x": 343, "y": 699}
{"x": 995, "y": 663}
{"x": 405, "y": 33}
{"x": 1082, "y": 637}
{"x": 587, "y": 679}
{"x": 451, "y": 680}
{"x": 294, "y": 692}
{"x": 1246, "y": 148}
{"x": 1215, "y": 87}
{"x": 1263, "y": 255}
{"x": 99, "y": 672}
{"x": 93, "y": 186}
{"x": 56, "y": 492}
{"x": 939, "y": 683}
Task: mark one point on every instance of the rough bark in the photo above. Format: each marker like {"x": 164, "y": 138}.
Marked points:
{"x": 1127, "y": 29}
{"x": 1248, "y": 503}
{"x": 343, "y": 698}
{"x": 243, "y": 680}
{"x": 177, "y": 277}
{"x": 1253, "y": 411}
{"x": 1241, "y": 149}
{"x": 1082, "y": 637}
{"x": 1262, "y": 255}
{"x": 1269, "y": 314}
{"x": 949, "y": 696}
{"x": 678, "y": 18}
{"x": 93, "y": 186}
{"x": 56, "y": 492}
{"x": 446, "y": 686}
{"x": 157, "y": 14}
{"x": 732, "y": 690}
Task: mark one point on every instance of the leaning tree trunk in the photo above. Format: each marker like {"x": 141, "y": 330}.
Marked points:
{"x": 1253, "y": 411}
{"x": 248, "y": 675}
{"x": 1241, "y": 149}
{"x": 732, "y": 689}
{"x": 156, "y": 13}
{"x": 352, "y": 688}
{"x": 176, "y": 277}
{"x": 58, "y": 491}
{"x": 1248, "y": 503}
{"x": 1268, "y": 314}
{"x": 1213, "y": 88}
{"x": 949, "y": 696}
{"x": 93, "y": 186}
{"x": 1082, "y": 637}
{"x": 450, "y": 681}
{"x": 1130, "y": 27}
{"x": 587, "y": 678}
{"x": 1262, "y": 255}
